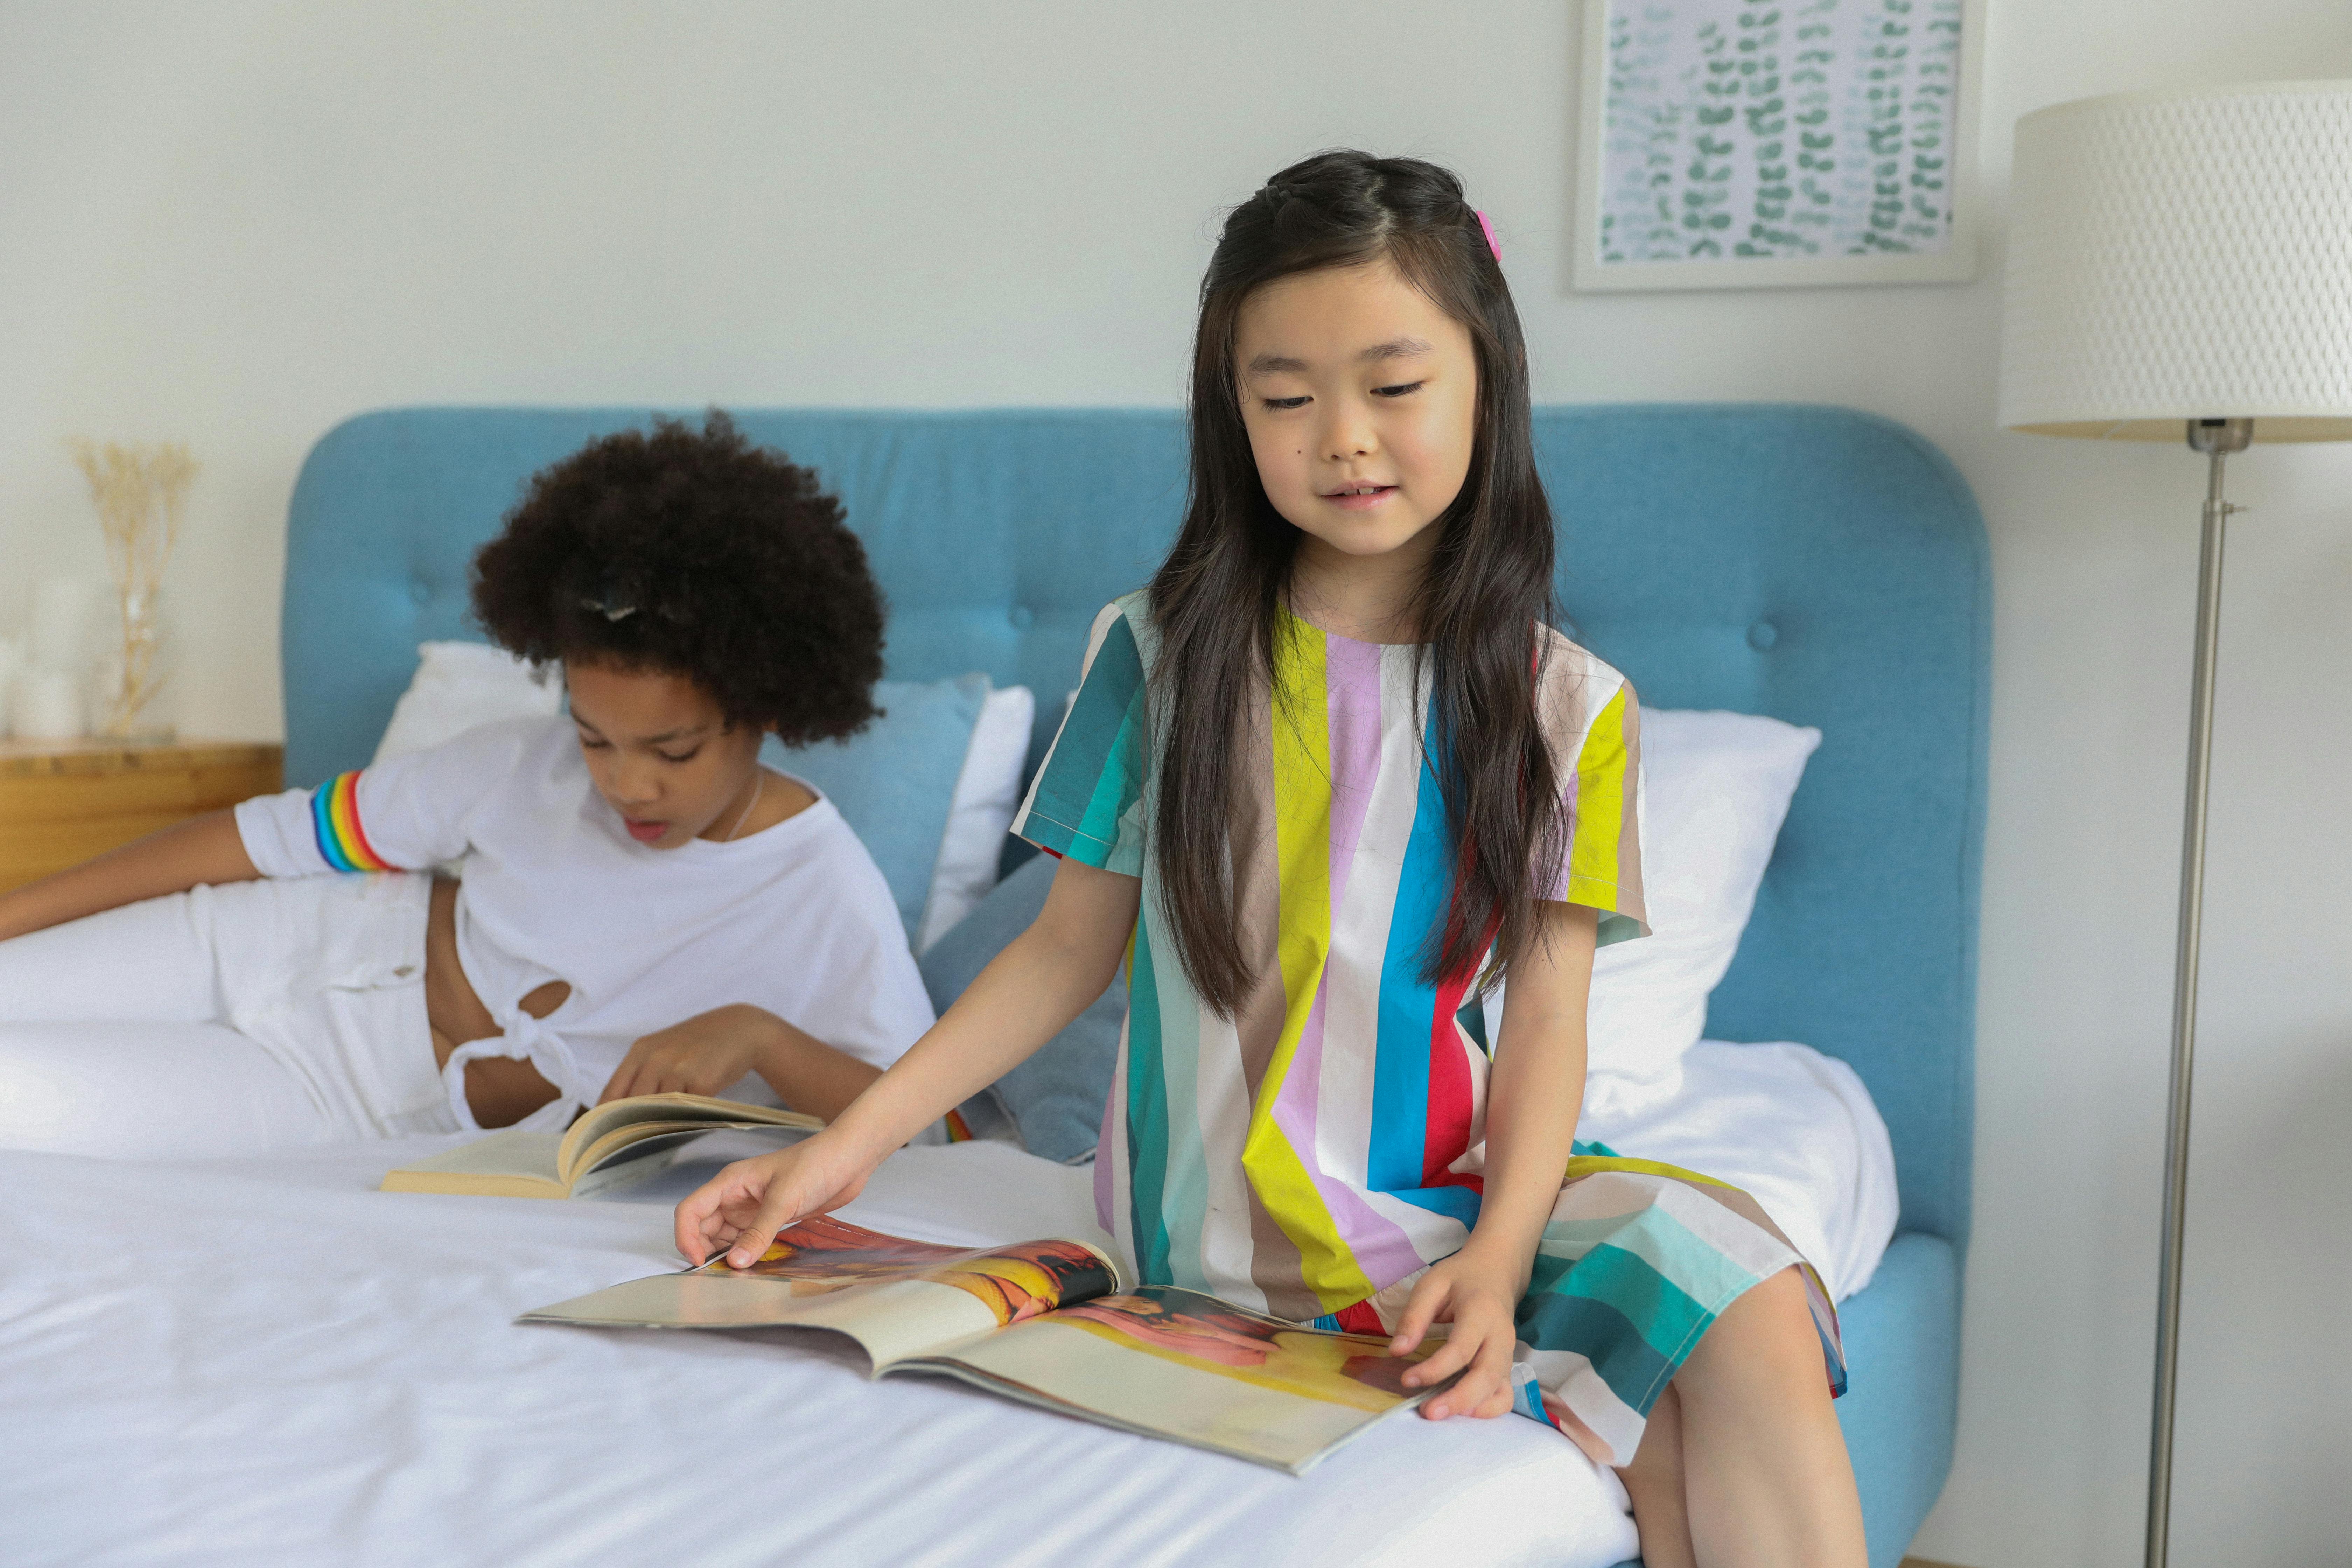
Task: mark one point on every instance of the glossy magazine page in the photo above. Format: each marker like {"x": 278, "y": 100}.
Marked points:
{"x": 1175, "y": 1364}
{"x": 1049, "y": 1323}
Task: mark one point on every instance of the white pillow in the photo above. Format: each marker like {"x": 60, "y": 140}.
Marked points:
{"x": 1716, "y": 787}
{"x": 461, "y": 686}
{"x": 987, "y": 793}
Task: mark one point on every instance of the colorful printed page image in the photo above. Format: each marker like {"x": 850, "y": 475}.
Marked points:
{"x": 1179, "y": 1364}
{"x": 895, "y": 1297}
{"x": 822, "y": 1254}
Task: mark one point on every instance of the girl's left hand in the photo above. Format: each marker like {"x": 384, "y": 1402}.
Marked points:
{"x": 707, "y": 1053}
{"x": 1476, "y": 1298}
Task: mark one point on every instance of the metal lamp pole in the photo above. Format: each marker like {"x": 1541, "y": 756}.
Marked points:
{"x": 2217, "y": 439}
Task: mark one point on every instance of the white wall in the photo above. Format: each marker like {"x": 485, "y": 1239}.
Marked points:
{"x": 236, "y": 223}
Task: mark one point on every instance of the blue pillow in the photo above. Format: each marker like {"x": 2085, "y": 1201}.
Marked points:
{"x": 895, "y": 779}
{"x": 1056, "y": 1097}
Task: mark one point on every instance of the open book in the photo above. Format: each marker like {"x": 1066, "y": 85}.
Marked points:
{"x": 1051, "y": 1323}
{"x": 622, "y": 1140}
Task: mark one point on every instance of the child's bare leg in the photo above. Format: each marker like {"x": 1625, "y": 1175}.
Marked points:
{"x": 1655, "y": 1483}
{"x": 1764, "y": 1464}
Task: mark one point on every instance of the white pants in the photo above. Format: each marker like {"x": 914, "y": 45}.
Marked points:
{"x": 227, "y": 1020}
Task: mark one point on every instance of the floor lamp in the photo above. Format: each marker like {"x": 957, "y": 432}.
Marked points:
{"x": 2183, "y": 260}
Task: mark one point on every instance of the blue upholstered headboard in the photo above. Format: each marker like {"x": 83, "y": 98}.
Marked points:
{"x": 1820, "y": 566}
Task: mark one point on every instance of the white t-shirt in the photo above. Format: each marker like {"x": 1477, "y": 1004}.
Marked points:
{"x": 795, "y": 918}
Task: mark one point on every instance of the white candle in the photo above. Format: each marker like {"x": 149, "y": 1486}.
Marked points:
{"x": 48, "y": 706}
{"x": 12, "y": 659}
{"x": 61, "y": 624}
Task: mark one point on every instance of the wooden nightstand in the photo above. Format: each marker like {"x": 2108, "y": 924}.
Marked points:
{"x": 63, "y": 802}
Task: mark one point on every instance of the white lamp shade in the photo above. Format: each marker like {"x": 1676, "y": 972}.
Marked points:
{"x": 2182, "y": 254}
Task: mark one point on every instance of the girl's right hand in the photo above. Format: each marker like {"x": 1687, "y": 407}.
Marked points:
{"x": 743, "y": 1206}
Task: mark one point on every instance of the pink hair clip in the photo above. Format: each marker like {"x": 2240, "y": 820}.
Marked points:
{"x": 1492, "y": 243}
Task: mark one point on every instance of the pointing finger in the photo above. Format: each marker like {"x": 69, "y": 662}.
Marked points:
{"x": 777, "y": 1210}
{"x": 1449, "y": 1358}
{"x": 1428, "y": 1299}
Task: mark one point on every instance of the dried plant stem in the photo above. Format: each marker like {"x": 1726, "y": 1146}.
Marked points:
{"x": 140, "y": 493}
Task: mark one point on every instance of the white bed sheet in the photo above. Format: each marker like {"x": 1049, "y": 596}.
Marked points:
{"x": 268, "y": 1362}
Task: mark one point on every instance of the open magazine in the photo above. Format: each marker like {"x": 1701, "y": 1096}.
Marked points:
{"x": 607, "y": 1146}
{"x": 1052, "y": 1323}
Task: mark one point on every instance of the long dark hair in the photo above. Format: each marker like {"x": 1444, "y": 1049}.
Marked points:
{"x": 1217, "y": 600}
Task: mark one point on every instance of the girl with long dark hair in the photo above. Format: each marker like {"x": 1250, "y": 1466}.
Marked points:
{"x": 1330, "y": 775}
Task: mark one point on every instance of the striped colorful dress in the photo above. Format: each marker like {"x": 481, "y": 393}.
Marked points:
{"x": 1311, "y": 1155}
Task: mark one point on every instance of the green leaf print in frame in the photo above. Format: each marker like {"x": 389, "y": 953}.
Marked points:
{"x": 1763, "y": 143}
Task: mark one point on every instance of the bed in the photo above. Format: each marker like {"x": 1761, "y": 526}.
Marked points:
{"x": 264, "y": 1360}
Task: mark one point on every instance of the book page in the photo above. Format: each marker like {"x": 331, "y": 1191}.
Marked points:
{"x": 1021, "y": 1280}
{"x": 891, "y": 1319}
{"x": 606, "y": 1161}
{"x": 512, "y": 1153}
{"x": 596, "y": 1124}
{"x": 896, "y": 1298}
{"x": 1176, "y": 1364}
{"x": 636, "y": 1160}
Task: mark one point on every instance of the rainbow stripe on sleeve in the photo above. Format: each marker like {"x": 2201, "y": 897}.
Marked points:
{"x": 335, "y": 819}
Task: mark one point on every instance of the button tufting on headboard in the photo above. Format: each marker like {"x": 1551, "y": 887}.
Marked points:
{"x": 1762, "y": 635}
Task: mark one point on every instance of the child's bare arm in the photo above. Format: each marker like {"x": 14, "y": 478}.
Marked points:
{"x": 706, "y": 1053}
{"x": 203, "y": 849}
{"x": 1028, "y": 993}
{"x": 1532, "y": 1102}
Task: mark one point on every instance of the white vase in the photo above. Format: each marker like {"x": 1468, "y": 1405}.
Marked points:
{"x": 123, "y": 704}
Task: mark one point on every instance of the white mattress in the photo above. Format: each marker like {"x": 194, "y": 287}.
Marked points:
{"x": 267, "y": 1361}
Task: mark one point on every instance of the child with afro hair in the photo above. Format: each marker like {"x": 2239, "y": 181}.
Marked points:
{"x": 643, "y": 906}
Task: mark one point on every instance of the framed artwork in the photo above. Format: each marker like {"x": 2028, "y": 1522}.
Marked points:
{"x": 1763, "y": 143}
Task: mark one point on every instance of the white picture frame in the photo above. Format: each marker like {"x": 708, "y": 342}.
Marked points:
{"x": 1828, "y": 232}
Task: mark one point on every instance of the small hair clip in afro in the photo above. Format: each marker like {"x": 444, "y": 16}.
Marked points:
{"x": 609, "y": 603}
